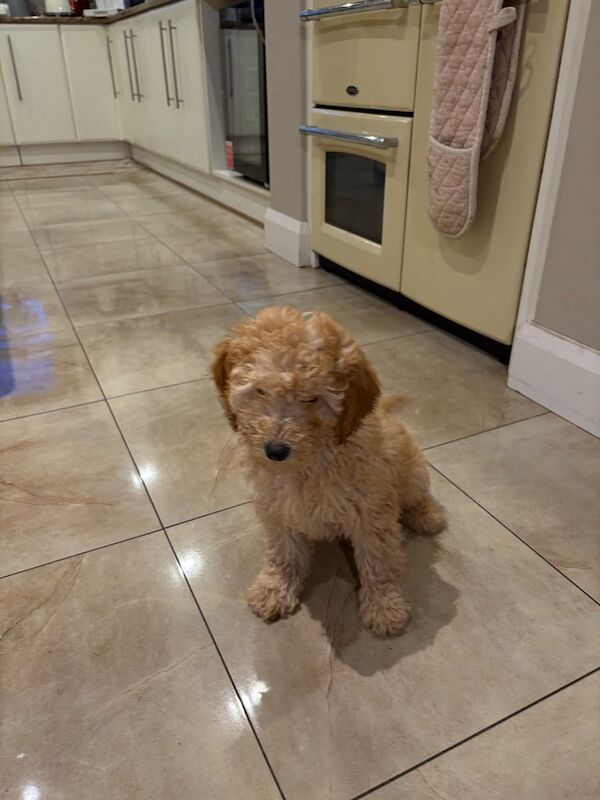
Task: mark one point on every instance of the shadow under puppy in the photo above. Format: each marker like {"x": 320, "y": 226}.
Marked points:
{"x": 325, "y": 459}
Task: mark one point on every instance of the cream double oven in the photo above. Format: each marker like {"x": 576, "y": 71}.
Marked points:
{"x": 373, "y": 66}
{"x": 364, "y": 64}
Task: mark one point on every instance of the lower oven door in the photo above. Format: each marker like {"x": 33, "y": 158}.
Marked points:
{"x": 359, "y": 176}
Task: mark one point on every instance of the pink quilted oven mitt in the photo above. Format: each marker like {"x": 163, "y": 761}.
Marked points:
{"x": 476, "y": 62}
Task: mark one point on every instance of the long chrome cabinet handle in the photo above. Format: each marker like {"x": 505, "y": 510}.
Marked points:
{"x": 126, "y": 38}
{"x": 368, "y": 139}
{"x": 230, "y": 68}
{"x": 132, "y": 38}
{"x": 14, "y": 66}
{"x": 111, "y": 67}
{"x": 162, "y": 29}
{"x": 359, "y": 6}
{"x": 178, "y": 99}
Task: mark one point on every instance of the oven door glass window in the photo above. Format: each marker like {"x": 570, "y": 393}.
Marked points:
{"x": 354, "y": 190}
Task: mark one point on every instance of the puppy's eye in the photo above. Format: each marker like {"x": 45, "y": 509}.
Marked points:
{"x": 311, "y": 400}
{"x": 260, "y": 392}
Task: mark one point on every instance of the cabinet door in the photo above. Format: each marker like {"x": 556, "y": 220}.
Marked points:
{"x": 187, "y": 139}
{"x": 124, "y": 52}
{"x": 36, "y": 84}
{"x": 155, "y": 122}
{"x": 92, "y": 82}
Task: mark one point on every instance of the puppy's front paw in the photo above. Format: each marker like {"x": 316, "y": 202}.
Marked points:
{"x": 384, "y": 609}
{"x": 271, "y": 600}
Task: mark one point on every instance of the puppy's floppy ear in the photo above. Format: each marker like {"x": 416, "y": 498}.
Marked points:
{"x": 362, "y": 393}
{"x": 220, "y": 374}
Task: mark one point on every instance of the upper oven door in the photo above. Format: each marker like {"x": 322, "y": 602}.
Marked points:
{"x": 359, "y": 177}
{"x": 367, "y": 59}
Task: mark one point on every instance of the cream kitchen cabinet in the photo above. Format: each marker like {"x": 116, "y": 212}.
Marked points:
{"x": 33, "y": 66}
{"x": 6, "y": 132}
{"x": 162, "y": 64}
{"x": 185, "y": 136}
{"x": 92, "y": 82}
{"x": 129, "y": 97}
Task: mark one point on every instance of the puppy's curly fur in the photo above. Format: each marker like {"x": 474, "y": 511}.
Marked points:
{"x": 298, "y": 390}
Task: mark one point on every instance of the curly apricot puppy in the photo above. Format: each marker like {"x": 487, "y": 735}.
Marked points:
{"x": 325, "y": 460}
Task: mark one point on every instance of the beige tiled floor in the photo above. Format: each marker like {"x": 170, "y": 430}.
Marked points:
{"x": 130, "y": 666}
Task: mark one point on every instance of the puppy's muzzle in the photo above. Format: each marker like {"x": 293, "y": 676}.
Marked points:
{"x": 277, "y": 451}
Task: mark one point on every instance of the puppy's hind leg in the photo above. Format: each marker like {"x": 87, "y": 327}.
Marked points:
{"x": 275, "y": 592}
{"x": 421, "y": 512}
{"x": 383, "y": 599}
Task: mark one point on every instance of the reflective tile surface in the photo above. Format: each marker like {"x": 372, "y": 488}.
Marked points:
{"x": 368, "y": 318}
{"x": 73, "y": 263}
{"x": 490, "y": 622}
{"x": 43, "y": 372}
{"x": 540, "y": 478}
{"x": 549, "y": 752}
{"x": 453, "y": 390}
{"x": 131, "y": 355}
{"x": 113, "y": 688}
{"x": 184, "y": 448}
{"x": 67, "y": 483}
{"x": 125, "y": 295}
{"x": 131, "y": 667}
{"x": 262, "y": 276}
{"x": 30, "y": 310}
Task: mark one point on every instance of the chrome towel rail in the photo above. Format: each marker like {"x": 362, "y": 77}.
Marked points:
{"x": 369, "y": 139}
{"x": 359, "y": 6}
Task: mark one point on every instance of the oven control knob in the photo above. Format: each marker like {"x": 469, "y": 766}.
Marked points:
{"x": 352, "y": 90}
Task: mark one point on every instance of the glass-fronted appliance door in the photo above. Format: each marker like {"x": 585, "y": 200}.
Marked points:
{"x": 243, "y": 53}
{"x": 359, "y": 176}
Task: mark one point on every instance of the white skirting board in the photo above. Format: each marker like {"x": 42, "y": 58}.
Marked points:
{"x": 247, "y": 200}
{"x": 9, "y": 157}
{"x": 558, "y": 373}
{"x": 288, "y": 237}
{"x": 72, "y": 152}
{"x": 62, "y": 153}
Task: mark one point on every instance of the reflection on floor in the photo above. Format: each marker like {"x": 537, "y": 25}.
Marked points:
{"x": 130, "y": 666}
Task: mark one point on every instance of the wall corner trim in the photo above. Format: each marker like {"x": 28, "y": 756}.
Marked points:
{"x": 558, "y": 373}
{"x": 288, "y": 238}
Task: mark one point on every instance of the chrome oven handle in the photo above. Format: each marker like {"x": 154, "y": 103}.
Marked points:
{"x": 351, "y": 8}
{"x": 359, "y": 6}
{"x": 368, "y": 139}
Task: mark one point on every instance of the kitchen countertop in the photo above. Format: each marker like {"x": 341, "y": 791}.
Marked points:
{"x": 69, "y": 20}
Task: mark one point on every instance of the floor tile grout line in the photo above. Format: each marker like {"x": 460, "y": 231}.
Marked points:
{"x": 125, "y": 539}
{"x": 475, "y": 735}
{"x": 175, "y": 253}
{"x": 516, "y": 535}
{"x": 208, "y": 514}
{"x": 225, "y": 666}
{"x": 201, "y": 379}
{"x": 81, "y": 553}
{"x": 486, "y": 430}
{"x": 53, "y": 410}
{"x": 108, "y": 406}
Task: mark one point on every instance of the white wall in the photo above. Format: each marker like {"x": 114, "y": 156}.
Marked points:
{"x": 556, "y": 352}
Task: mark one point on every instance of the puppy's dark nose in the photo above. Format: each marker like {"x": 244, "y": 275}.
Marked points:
{"x": 277, "y": 451}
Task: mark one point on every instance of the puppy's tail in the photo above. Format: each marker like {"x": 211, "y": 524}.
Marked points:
{"x": 393, "y": 402}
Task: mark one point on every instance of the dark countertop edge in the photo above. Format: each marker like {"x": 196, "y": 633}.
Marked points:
{"x": 69, "y": 20}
